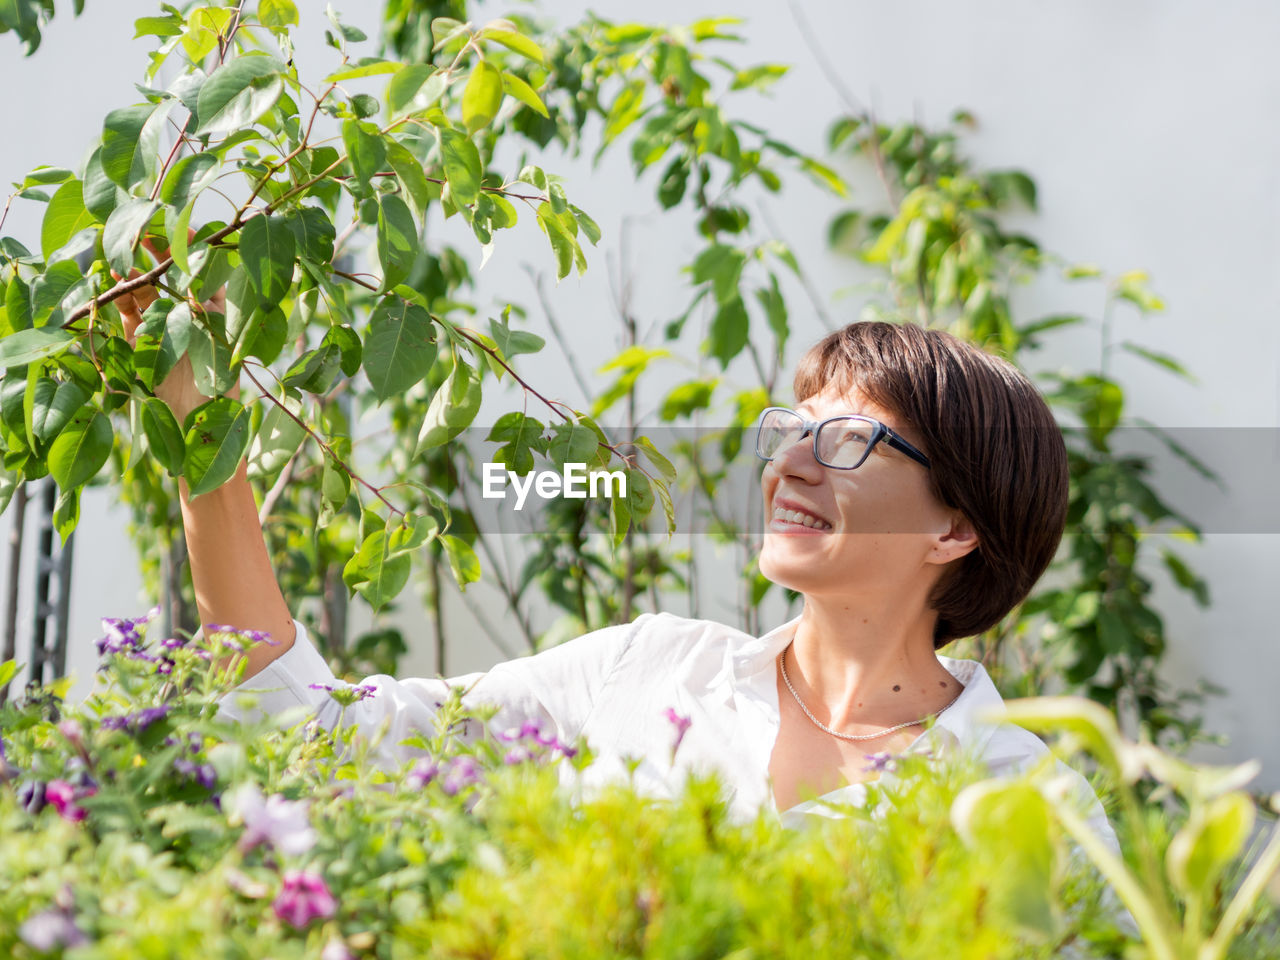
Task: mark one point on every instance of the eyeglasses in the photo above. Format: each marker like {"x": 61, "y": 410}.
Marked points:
{"x": 842, "y": 443}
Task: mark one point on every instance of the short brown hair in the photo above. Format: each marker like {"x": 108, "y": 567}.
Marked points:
{"x": 997, "y": 454}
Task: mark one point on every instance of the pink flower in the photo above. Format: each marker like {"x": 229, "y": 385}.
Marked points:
{"x": 304, "y": 896}
{"x": 281, "y": 823}
{"x": 682, "y": 725}
{"x": 63, "y": 796}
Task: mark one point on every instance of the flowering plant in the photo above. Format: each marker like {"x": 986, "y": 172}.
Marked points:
{"x": 143, "y": 823}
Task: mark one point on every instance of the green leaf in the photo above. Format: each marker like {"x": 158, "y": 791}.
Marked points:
{"x": 48, "y": 291}
{"x": 217, "y": 437}
{"x": 374, "y": 573}
{"x": 664, "y": 465}
{"x": 482, "y": 96}
{"x": 452, "y": 408}
{"x": 277, "y": 438}
{"x": 188, "y": 177}
{"x": 100, "y": 194}
{"x": 563, "y": 243}
{"x": 729, "y": 331}
{"x": 268, "y": 251}
{"x": 397, "y": 240}
{"x": 462, "y": 560}
{"x": 589, "y": 226}
{"x": 277, "y": 14}
{"x": 398, "y": 349}
{"x": 124, "y": 228}
{"x": 365, "y": 150}
{"x": 210, "y": 362}
{"x": 7, "y": 671}
{"x": 524, "y": 93}
{"x": 64, "y": 217}
{"x": 517, "y": 42}
{"x": 1159, "y": 359}
{"x": 721, "y": 265}
{"x": 124, "y": 155}
{"x": 27, "y": 346}
{"x": 81, "y": 448}
{"x": 414, "y": 88}
{"x": 164, "y": 436}
{"x": 314, "y": 232}
{"x": 1209, "y": 842}
{"x": 238, "y": 93}
{"x": 572, "y": 443}
{"x": 462, "y": 166}
{"x": 409, "y": 170}
{"x": 17, "y": 305}
{"x": 53, "y": 405}
{"x": 512, "y": 343}
{"x": 204, "y": 26}
{"x": 366, "y": 67}
{"x": 66, "y": 513}
{"x": 519, "y": 435}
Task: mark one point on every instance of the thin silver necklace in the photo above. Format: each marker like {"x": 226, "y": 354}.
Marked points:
{"x": 850, "y": 736}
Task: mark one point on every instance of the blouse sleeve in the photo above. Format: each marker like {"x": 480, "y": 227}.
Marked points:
{"x": 557, "y": 687}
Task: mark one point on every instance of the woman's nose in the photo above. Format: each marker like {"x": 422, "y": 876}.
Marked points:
{"x": 796, "y": 458}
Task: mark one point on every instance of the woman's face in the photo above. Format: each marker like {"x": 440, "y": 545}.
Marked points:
{"x": 878, "y": 527}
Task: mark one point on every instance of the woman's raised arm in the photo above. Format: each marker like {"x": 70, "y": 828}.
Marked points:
{"x": 230, "y": 568}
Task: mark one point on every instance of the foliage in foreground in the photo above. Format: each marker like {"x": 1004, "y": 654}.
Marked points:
{"x": 140, "y": 824}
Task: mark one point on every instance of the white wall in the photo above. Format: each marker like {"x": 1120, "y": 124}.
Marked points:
{"x": 1146, "y": 125}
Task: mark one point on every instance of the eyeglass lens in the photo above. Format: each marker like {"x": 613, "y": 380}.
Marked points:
{"x": 843, "y": 442}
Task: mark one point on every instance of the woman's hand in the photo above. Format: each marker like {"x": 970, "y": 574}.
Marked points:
{"x": 178, "y": 389}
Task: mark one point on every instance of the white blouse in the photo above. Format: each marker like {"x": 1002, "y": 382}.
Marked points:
{"x": 614, "y": 687}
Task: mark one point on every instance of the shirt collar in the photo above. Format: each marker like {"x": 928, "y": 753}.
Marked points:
{"x": 965, "y": 722}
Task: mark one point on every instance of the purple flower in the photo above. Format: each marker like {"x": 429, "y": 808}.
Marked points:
{"x": 138, "y": 721}
{"x": 532, "y": 730}
{"x": 682, "y": 725}
{"x": 881, "y": 762}
{"x": 344, "y": 693}
{"x": 32, "y": 796}
{"x": 202, "y": 773}
{"x": 423, "y": 772}
{"x": 7, "y": 770}
{"x": 51, "y": 930}
{"x": 63, "y": 796}
{"x": 246, "y": 638}
{"x": 517, "y": 755}
{"x": 304, "y": 896}
{"x": 462, "y": 772}
{"x": 122, "y": 634}
{"x": 279, "y": 822}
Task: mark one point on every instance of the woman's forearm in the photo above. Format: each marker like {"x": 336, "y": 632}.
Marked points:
{"x": 234, "y": 583}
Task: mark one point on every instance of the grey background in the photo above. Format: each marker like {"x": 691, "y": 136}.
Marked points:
{"x": 1148, "y": 127}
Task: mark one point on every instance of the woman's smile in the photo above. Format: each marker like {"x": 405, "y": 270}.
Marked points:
{"x": 790, "y": 516}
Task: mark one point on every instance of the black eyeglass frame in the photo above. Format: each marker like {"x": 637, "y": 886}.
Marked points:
{"x": 811, "y": 428}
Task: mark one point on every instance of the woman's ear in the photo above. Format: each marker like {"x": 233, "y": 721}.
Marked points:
{"x": 955, "y": 542}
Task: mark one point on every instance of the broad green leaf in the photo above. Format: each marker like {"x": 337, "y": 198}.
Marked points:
{"x": 572, "y": 443}
{"x": 374, "y": 573}
{"x": 482, "y": 96}
{"x": 169, "y": 26}
{"x": 409, "y": 169}
{"x": 53, "y": 405}
{"x": 163, "y": 434}
{"x": 7, "y": 671}
{"x": 1159, "y": 359}
{"x": 27, "y": 346}
{"x": 17, "y": 305}
{"x": 188, "y": 177}
{"x": 397, "y": 240}
{"x": 238, "y": 93}
{"x": 204, "y": 26}
{"x": 100, "y": 194}
{"x": 375, "y": 67}
{"x": 365, "y": 150}
{"x": 123, "y": 155}
{"x": 178, "y": 229}
{"x": 414, "y": 88}
{"x": 589, "y": 226}
{"x": 1209, "y": 842}
{"x": 277, "y": 14}
{"x": 452, "y": 408}
{"x": 268, "y": 251}
{"x": 665, "y": 467}
{"x": 398, "y": 349}
{"x": 619, "y": 520}
{"x": 315, "y": 370}
{"x": 462, "y": 559}
{"x": 277, "y": 438}
{"x": 124, "y": 229}
{"x": 47, "y": 175}
{"x": 48, "y": 290}
{"x": 66, "y": 513}
{"x": 517, "y": 42}
{"x": 217, "y": 437}
{"x": 729, "y": 331}
{"x": 64, "y": 217}
{"x": 462, "y": 166}
{"x": 210, "y": 362}
{"x": 161, "y": 340}
{"x": 510, "y": 342}
{"x": 519, "y": 435}
{"x": 563, "y": 243}
{"x": 80, "y": 450}
{"x": 411, "y": 534}
{"x": 314, "y": 232}
{"x": 444, "y": 29}
{"x": 524, "y": 93}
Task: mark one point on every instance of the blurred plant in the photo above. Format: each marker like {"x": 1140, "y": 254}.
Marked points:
{"x": 279, "y": 837}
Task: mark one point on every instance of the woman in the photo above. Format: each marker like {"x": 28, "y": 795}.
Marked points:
{"x": 914, "y": 496}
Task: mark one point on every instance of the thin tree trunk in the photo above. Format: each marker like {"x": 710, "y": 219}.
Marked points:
{"x": 44, "y": 572}
{"x": 63, "y": 613}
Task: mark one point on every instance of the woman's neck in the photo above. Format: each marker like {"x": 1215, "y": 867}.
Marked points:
{"x": 864, "y": 664}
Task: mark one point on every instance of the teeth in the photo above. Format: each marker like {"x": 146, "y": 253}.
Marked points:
{"x": 804, "y": 519}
